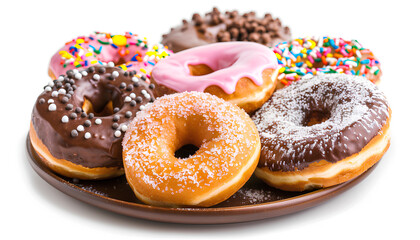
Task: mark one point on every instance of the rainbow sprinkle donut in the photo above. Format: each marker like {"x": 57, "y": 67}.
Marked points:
{"x": 324, "y": 55}
{"x": 128, "y": 51}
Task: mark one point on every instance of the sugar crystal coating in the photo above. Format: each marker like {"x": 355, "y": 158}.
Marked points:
{"x": 220, "y": 156}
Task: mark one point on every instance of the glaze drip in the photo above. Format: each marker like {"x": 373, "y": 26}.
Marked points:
{"x": 229, "y": 62}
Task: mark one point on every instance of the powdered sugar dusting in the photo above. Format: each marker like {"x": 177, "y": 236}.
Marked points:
{"x": 93, "y": 190}
{"x": 255, "y": 196}
{"x": 357, "y": 107}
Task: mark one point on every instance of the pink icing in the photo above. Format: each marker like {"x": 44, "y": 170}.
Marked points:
{"x": 80, "y": 53}
{"x": 230, "y": 62}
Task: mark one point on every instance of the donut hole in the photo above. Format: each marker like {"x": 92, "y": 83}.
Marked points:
{"x": 187, "y": 143}
{"x": 315, "y": 117}
{"x": 102, "y": 109}
{"x": 186, "y": 151}
{"x": 199, "y": 70}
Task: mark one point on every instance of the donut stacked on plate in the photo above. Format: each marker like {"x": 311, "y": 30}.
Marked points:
{"x": 324, "y": 55}
{"x": 129, "y": 51}
{"x": 301, "y": 114}
{"x": 242, "y": 73}
{"x": 79, "y": 119}
{"x": 229, "y": 149}
{"x": 322, "y": 131}
{"x": 215, "y": 27}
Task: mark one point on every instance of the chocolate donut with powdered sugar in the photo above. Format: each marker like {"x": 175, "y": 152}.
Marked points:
{"x": 322, "y": 131}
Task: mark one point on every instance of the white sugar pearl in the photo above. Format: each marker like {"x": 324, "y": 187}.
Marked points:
{"x": 62, "y": 91}
{"x": 50, "y": 100}
{"x": 127, "y": 99}
{"x": 75, "y": 71}
{"x": 111, "y": 64}
{"x": 52, "y": 107}
{"x": 80, "y": 128}
{"x": 60, "y": 78}
{"x": 147, "y": 96}
{"x": 84, "y": 73}
{"x": 115, "y": 74}
{"x": 134, "y": 79}
{"x": 132, "y": 95}
{"x": 54, "y": 94}
{"x": 88, "y": 135}
{"x": 117, "y": 133}
{"x": 48, "y": 89}
{"x": 124, "y": 127}
{"x": 50, "y": 83}
{"x": 96, "y": 77}
{"x": 78, "y": 76}
{"x": 142, "y": 107}
{"x": 98, "y": 121}
{"x": 144, "y": 92}
{"x": 65, "y": 119}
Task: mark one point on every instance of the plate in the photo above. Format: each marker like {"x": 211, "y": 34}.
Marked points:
{"x": 254, "y": 201}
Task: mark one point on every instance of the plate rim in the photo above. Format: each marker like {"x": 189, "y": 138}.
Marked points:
{"x": 194, "y": 215}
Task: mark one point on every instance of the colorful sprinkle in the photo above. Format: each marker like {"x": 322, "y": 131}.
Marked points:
{"x": 300, "y": 56}
{"x": 85, "y": 51}
{"x": 119, "y": 40}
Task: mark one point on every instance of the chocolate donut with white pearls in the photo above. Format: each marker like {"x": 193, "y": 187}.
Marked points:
{"x": 79, "y": 120}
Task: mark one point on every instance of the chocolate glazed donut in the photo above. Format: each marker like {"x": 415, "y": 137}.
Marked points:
{"x": 79, "y": 120}
{"x": 231, "y": 26}
{"x": 322, "y": 131}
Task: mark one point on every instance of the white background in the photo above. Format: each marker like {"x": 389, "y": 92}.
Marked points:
{"x": 383, "y": 205}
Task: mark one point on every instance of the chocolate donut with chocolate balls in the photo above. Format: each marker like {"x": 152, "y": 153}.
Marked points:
{"x": 79, "y": 120}
{"x": 215, "y": 26}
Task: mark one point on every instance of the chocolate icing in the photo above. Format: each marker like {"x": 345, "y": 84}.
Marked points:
{"x": 97, "y": 143}
{"x": 356, "y": 110}
{"x": 230, "y": 26}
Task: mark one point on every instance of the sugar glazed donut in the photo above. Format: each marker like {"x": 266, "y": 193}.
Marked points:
{"x": 79, "y": 120}
{"x": 325, "y": 55}
{"x": 322, "y": 131}
{"x": 242, "y": 73}
{"x": 230, "y": 26}
{"x": 228, "y": 142}
{"x": 128, "y": 51}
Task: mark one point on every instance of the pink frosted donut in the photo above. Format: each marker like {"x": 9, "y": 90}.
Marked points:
{"x": 239, "y": 72}
{"x": 128, "y": 51}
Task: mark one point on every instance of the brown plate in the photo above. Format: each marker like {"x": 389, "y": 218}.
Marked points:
{"x": 254, "y": 201}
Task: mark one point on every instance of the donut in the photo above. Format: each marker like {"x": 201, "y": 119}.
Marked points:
{"x": 242, "y": 73}
{"x": 79, "y": 120}
{"x": 228, "y": 150}
{"x": 230, "y": 26}
{"x": 128, "y": 51}
{"x": 321, "y": 131}
{"x": 312, "y": 56}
